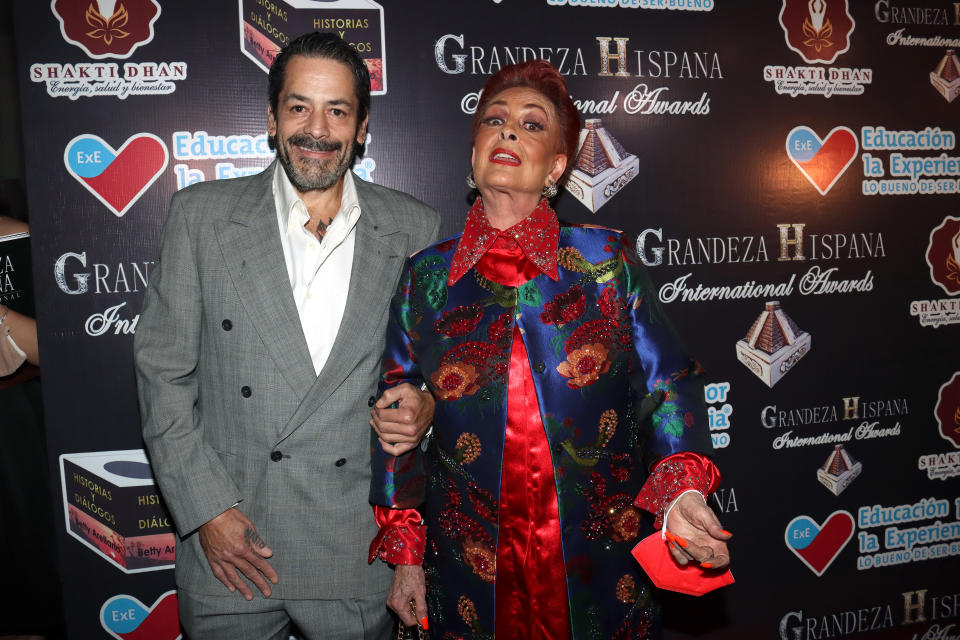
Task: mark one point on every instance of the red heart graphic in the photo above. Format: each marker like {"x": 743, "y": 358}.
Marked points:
{"x": 826, "y": 545}
{"x": 830, "y": 160}
{"x": 140, "y": 159}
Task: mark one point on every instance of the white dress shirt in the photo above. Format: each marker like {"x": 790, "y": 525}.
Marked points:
{"x": 319, "y": 270}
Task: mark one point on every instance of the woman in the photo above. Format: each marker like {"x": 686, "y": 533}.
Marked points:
{"x": 527, "y": 333}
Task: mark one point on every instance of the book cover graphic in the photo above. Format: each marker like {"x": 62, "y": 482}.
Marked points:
{"x": 111, "y": 505}
{"x": 266, "y": 27}
{"x": 16, "y": 285}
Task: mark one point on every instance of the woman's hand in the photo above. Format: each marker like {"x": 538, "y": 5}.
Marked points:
{"x": 409, "y": 584}
{"x": 694, "y": 534}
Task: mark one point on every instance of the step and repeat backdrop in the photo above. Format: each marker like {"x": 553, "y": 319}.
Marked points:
{"x": 790, "y": 171}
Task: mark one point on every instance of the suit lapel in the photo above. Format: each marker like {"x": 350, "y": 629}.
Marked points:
{"x": 379, "y": 248}
{"x": 250, "y": 243}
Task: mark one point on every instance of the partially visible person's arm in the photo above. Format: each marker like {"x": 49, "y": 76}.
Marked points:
{"x": 195, "y": 484}
{"x": 23, "y": 330}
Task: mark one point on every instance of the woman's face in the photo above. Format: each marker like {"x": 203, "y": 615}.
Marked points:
{"x": 516, "y": 148}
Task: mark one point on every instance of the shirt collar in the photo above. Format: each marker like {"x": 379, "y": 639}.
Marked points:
{"x": 538, "y": 235}
{"x": 287, "y": 198}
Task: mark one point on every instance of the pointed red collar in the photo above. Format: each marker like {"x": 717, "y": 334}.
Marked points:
{"x": 538, "y": 235}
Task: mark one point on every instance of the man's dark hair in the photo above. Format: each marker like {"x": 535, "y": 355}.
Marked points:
{"x": 322, "y": 45}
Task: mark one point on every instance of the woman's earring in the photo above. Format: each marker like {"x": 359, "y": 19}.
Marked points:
{"x": 470, "y": 181}
{"x": 550, "y": 190}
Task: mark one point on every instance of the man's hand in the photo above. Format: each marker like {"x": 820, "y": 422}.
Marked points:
{"x": 409, "y": 584}
{"x": 232, "y": 544}
{"x": 694, "y": 534}
{"x": 401, "y": 429}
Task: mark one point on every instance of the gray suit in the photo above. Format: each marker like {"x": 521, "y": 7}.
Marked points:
{"x": 232, "y": 409}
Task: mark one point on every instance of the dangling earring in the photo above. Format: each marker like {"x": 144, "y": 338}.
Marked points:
{"x": 550, "y": 190}
{"x": 470, "y": 181}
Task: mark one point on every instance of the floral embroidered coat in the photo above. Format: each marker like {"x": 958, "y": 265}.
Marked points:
{"x": 616, "y": 395}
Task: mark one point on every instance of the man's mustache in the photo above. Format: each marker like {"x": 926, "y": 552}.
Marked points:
{"x": 312, "y": 144}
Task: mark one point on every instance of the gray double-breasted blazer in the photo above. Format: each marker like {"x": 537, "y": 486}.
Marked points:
{"x": 232, "y": 409}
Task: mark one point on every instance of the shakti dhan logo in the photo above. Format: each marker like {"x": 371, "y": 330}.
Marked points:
{"x": 107, "y": 28}
{"x": 818, "y": 30}
{"x": 947, "y": 411}
{"x": 943, "y": 255}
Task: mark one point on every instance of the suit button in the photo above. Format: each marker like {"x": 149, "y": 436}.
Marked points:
{"x": 371, "y": 401}
{"x": 245, "y": 391}
{"x": 341, "y": 462}
{"x": 227, "y": 325}
{"x": 276, "y": 456}
{"x": 539, "y": 367}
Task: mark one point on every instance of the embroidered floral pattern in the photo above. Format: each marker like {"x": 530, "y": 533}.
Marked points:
{"x": 627, "y": 589}
{"x": 607, "y": 427}
{"x": 583, "y": 366}
{"x": 468, "y": 447}
{"x": 459, "y": 321}
{"x": 482, "y": 559}
{"x": 564, "y": 307}
{"x": 621, "y": 467}
{"x": 467, "y": 610}
{"x": 605, "y": 518}
{"x": 453, "y": 381}
{"x": 484, "y": 504}
{"x": 571, "y": 259}
{"x": 626, "y": 524}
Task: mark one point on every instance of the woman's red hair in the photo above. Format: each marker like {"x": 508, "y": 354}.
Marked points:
{"x": 541, "y": 76}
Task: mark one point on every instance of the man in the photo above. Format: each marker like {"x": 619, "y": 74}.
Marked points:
{"x": 257, "y": 357}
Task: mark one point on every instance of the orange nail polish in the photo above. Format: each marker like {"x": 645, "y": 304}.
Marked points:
{"x": 726, "y": 532}
{"x": 706, "y": 565}
{"x": 683, "y": 543}
{"x": 424, "y": 623}
{"x": 668, "y": 535}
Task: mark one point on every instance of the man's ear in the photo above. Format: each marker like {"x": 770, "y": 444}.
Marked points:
{"x": 362, "y": 130}
{"x": 271, "y": 122}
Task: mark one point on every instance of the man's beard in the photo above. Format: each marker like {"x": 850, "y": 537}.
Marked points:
{"x": 316, "y": 174}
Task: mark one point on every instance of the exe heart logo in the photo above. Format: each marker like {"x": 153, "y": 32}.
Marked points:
{"x": 116, "y": 178}
{"x": 822, "y": 162}
{"x": 818, "y": 546}
{"x": 126, "y": 618}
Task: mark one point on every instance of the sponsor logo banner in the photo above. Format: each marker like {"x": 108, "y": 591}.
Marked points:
{"x": 910, "y": 175}
{"x": 117, "y": 178}
{"x": 947, "y": 411}
{"x": 943, "y": 259}
{"x": 112, "y": 507}
{"x": 266, "y": 27}
{"x": 773, "y": 344}
{"x": 106, "y": 28}
{"x": 794, "y": 242}
{"x": 719, "y": 411}
{"x": 655, "y": 69}
{"x": 818, "y": 545}
{"x": 839, "y": 470}
{"x": 817, "y": 30}
{"x": 913, "y": 24}
{"x": 126, "y": 618}
{"x": 822, "y": 162}
{"x": 868, "y": 414}
{"x": 935, "y": 540}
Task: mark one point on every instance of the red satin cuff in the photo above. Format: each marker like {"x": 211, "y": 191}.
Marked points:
{"x": 672, "y": 476}
{"x": 402, "y": 538}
